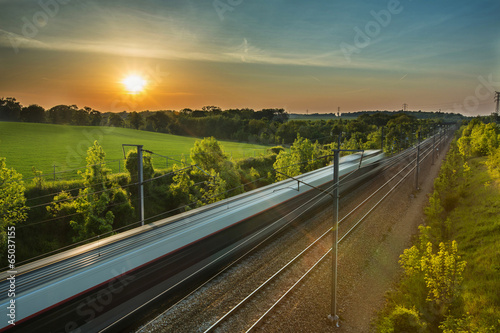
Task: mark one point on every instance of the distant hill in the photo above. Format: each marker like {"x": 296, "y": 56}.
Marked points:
{"x": 447, "y": 117}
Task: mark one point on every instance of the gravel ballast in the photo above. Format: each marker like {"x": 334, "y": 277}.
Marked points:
{"x": 367, "y": 268}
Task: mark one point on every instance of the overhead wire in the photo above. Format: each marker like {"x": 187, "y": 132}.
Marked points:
{"x": 321, "y": 195}
{"x": 108, "y": 189}
{"x": 86, "y": 241}
{"x": 187, "y": 205}
{"x": 324, "y": 256}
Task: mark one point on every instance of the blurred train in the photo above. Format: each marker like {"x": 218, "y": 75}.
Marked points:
{"x": 88, "y": 288}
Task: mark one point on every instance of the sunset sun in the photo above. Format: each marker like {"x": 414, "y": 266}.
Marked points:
{"x": 134, "y": 84}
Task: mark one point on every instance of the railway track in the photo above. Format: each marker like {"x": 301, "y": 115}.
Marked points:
{"x": 227, "y": 308}
{"x": 275, "y": 287}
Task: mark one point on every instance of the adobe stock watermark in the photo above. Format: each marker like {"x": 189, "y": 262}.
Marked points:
{"x": 223, "y": 6}
{"x": 11, "y": 258}
{"x": 485, "y": 91}
{"x": 31, "y": 26}
{"x": 372, "y": 29}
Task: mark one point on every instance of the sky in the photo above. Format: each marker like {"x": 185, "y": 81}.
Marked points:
{"x": 311, "y": 56}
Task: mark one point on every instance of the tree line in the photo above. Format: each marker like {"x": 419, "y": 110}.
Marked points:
{"x": 266, "y": 126}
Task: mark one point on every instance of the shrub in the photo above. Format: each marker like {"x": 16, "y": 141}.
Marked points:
{"x": 402, "y": 319}
{"x": 275, "y": 150}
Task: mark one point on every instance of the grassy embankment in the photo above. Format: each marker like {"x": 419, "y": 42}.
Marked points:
{"x": 477, "y": 230}
{"x": 465, "y": 207}
{"x": 44, "y": 145}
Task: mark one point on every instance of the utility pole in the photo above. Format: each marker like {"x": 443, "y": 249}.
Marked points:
{"x": 497, "y": 99}
{"x": 433, "y": 144}
{"x": 336, "y": 197}
{"x": 405, "y": 107}
{"x": 336, "y": 160}
{"x": 141, "y": 185}
{"x": 418, "y": 162}
{"x": 335, "y": 234}
{"x": 440, "y": 137}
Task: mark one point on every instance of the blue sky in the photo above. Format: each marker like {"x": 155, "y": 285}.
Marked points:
{"x": 314, "y": 55}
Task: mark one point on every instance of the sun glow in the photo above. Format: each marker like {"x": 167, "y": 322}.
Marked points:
{"x": 134, "y": 83}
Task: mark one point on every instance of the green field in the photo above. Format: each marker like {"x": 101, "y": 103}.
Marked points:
{"x": 44, "y": 145}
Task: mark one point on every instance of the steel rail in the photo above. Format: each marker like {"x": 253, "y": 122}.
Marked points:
{"x": 281, "y": 270}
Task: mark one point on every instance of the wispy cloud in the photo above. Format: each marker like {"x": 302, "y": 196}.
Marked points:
{"x": 16, "y": 42}
{"x": 445, "y": 40}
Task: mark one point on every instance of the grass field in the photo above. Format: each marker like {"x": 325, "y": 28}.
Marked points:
{"x": 44, "y": 145}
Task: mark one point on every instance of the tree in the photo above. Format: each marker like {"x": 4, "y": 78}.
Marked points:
{"x": 33, "y": 114}
{"x": 303, "y": 157}
{"x": 208, "y": 155}
{"x": 180, "y": 189}
{"x": 214, "y": 110}
{"x": 97, "y": 203}
{"x": 435, "y": 278}
{"x": 443, "y": 274}
{"x": 115, "y": 120}
{"x": 493, "y": 164}
{"x": 38, "y": 180}
{"x": 61, "y": 114}
{"x": 13, "y": 208}
{"x": 287, "y": 166}
{"x": 95, "y": 116}
{"x": 135, "y": 120}
{"x": 132, "y": 166}
{"x": 199, "y": 113}
{"x": 160, "y": 121}
{"x": 80, "y": 117}
{"x": 307, "y": 153}
{"x": 280, "y": 115}
{"x": 97, "y": 219}
{"x": 10, "y": 109}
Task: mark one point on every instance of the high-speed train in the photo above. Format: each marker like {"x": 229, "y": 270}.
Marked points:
{"x": 87, "y": 288}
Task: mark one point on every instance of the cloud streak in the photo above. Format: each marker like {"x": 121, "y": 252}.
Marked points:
{"x": 446, "y": 41}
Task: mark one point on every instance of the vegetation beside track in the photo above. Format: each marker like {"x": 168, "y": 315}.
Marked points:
{"x": 451, "y": 274}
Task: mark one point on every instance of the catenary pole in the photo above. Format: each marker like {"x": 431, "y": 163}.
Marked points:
{"x": 335, "y": 235}
{"x": 141, "y": 185}
{"x": 141, "y": 177}
{"x": 417, "y": 170}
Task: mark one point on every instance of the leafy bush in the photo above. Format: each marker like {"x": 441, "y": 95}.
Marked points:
{"x": 402, "y": 319}
{"x": 276, "y": 150}
{"x": 13, "y": 208}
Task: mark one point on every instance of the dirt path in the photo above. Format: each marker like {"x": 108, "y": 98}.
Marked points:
{"x": 368, "y": 265}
